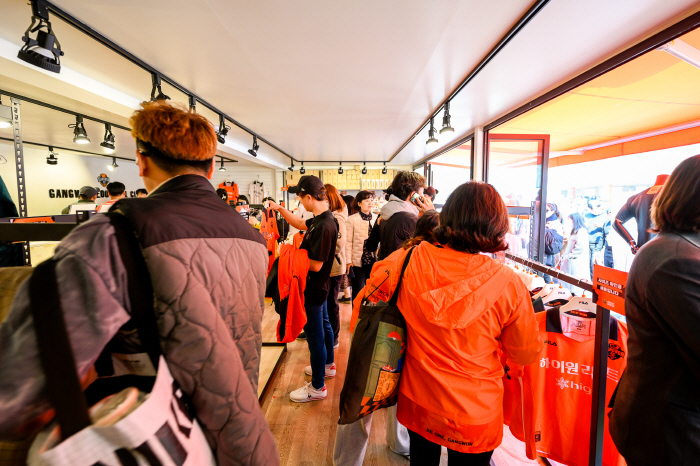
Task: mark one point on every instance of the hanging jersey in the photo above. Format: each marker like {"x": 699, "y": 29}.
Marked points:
{"x": 231, "y": 191}
{"x": 561, "y": 385}
{"x": 256, "y": 193}
{"x": 268, "y": 228}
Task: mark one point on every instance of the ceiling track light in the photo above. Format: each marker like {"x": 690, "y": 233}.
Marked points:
{"x": 79, "y": 133}
{"x": 364, "y": 168}
{"x": 302, "y": 170}
{"x": 340, "y": 170}
{"x": 254, "y": 150}
{"x": 222, "y": 168}
{"x": 113, "y": 165}
{"x": 108, "y": 142}
{"x": 51, "y": 159}
{"x": 155, "y": 80}
{"x": 291, "y": 169}
{"x": 223, "y": 130}
{"x": 5, "y": 115}
{"x": 446, "y": 127}
{"x": 43, "y": 52}
{"x": 193, "y": 103}
{"x": 384, "y": 170}
{"x": 431, "y": 132}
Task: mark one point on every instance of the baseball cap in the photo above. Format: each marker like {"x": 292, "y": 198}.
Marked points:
{"x": 308, "y": 184}
{"x": 88, "y": 191}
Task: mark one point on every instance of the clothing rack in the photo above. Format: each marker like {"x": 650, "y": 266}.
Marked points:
{"x": 600, "y": 360}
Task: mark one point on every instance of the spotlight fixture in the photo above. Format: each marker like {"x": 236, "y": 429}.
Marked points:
{"x": 155, "y": 79}
{"x": 44, "y": 51}
{"x": 431, "y": 132}
{"x": 51, "y": 159}
{"x": 254, "y": 150}
{"x": 222, "y": 168}
{"x": 5, "y": 116}
{"x": 193, "y": 103}
{"x": 384, "y": 171}
{"x": 364, "y": 168}
{"x": 302, "y": 170}
{"x": 113, "y": 165}
{"x": 291, "y": 169}
{"x": 340, "y": 170}
{"x": 223, "y": 130}
{"x": 108, "y": 142}
{"x": 446, "y": 128}
{"x": 79, "y": 133}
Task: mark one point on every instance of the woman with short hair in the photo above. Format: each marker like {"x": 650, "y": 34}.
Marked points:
{"x": 359, "y": 226}
{"x": 656, "y": 417}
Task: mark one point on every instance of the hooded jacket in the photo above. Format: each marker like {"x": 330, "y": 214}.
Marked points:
{"x": 208, "y": 281}
{"x": 396, "y": 224}
{"x": 458, "y": 308}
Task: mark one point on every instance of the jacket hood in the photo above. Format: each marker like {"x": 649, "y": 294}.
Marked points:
{"x": 460, "y": 287}
{"x": 396, "y": 205}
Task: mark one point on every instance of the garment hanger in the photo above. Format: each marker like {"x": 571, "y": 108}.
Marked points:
{"x": 545, "y": 291}
{"x": 579, "y": 303}
{"x": 557, "y": 293}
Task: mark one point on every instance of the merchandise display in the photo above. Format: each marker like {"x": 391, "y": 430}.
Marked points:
{"x": 231, "y": 189}
{"x": 256, "y": 192}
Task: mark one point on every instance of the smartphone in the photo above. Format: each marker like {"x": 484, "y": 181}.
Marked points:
{"x": 415, "y": 197}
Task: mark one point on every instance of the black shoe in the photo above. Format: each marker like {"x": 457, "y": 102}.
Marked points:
{"x": 345, "y": 300}
{"x": 302, "y": 336}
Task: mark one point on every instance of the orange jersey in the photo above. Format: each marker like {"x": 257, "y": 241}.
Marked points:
{"x": 231, "y": 192}
{"x": 268, "y": 228}
{"x": 561, "y": 384}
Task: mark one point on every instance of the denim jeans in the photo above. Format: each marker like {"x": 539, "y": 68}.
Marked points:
{"x": 319, "y": 336}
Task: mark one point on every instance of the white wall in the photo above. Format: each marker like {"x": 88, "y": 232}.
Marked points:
{"x": 71, "y": 173}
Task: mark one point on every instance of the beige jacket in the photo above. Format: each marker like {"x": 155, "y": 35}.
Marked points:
{"x": 358, "y": 232}
{"x": 339, "y": 268}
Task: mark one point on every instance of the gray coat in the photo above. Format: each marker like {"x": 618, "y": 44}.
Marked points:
{"x": 208, "y": 279}
{"x": 656, "y": 416}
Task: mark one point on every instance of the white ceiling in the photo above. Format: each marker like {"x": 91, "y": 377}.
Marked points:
{"x": 332, "y": 80}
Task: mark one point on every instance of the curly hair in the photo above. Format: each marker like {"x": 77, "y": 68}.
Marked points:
{"x": 173, "y": 137}
{"x": 474, "y": 219}
{"x": 405, "y": 183}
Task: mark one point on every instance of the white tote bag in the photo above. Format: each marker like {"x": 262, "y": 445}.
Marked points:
{"x": 160, "y": 431}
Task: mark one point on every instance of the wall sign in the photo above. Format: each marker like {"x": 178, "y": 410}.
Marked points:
{"x": 609, "y": 286}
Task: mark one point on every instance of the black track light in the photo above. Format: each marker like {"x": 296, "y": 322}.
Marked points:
{"x": 291, "y": 169}
{"x": 254, "y": 150}
{"x": 113, "y": 165}
{"x": 193, "y": 103}
{"x": 79, "y": 133}
{"x": 222, "y": 168}
{"x": 302, "y": 170}
{"x": 155, "y": 79}
{"x": 108, "y": 142}
{"x": 5, "y": 115}
{"x": 446, "y": 128}
{"x": 340, "y": 170}
{"x": 364, "y": 168}
{"x": 44, "y": 51}
{"x": 384, "y": 170}
{"x": 431, "y": 132}
{"x": 223, "y": 130}
{"x": 51, "y": 159}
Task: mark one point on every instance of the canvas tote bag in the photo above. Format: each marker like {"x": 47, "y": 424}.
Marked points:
{"x": 376, "y": 358}
{"x": 158, "y": 430}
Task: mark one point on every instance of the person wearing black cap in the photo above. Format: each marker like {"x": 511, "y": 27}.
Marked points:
{"x": 320, "y": 241}
{"x": 87, "y": 195}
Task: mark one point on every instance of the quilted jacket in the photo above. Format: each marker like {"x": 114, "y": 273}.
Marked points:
{"x": 208, "y": 279}
{"x": 357, "y": 233}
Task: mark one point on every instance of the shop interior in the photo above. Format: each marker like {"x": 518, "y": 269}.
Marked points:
{"x": 403, "y": 98}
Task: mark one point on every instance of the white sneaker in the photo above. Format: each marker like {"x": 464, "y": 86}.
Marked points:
{"x": 308, "y": 393}
{"x": 330, "y": 371}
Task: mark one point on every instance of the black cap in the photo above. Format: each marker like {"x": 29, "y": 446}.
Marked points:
{"x": 308, "y": 184}
{"x": 88, "y": 191}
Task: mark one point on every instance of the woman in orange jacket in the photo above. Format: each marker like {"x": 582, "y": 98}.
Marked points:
{"x": 459, "y": 305}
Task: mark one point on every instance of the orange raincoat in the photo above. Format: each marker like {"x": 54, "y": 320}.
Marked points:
{"x": 458, "y": 307}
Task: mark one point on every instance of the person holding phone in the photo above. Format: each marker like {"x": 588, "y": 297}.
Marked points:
{"x": 320, "y": 242}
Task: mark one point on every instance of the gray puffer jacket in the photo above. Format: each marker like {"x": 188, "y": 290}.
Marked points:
{"x": 208, "y": 279}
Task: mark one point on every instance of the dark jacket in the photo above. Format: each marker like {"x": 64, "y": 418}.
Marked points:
{"x": 208, "y": 281}
{"x": 396, "y": 225}
{"x": 656, "y": 414}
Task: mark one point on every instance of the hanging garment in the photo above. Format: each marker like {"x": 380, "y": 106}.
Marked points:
{"x": 268, "y": 228}
{"x": 256, "y": 193}
{"x": 286, "y": 284}
{"x": 562, "y": 387}
{"x": 231, "y": 189}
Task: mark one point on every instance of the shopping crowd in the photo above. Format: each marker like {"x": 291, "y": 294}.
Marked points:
{"x": 462, "y": 308}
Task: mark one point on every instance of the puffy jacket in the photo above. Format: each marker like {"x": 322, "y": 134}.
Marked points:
{"x": 358, "y": 232}
{"x": 208, "y": 280}
{"x": 458, "y": 307}
{"x": 340, "y": 260}
{"x": 396, "y": 225}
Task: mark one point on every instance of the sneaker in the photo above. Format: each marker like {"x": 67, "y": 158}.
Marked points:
{"x": 336, "y": 344}
{"x": 308, "y": 393}
{"x": 302, "y": 336}
{"x": 345, "y": 300}
{"x": 330, "y": 371}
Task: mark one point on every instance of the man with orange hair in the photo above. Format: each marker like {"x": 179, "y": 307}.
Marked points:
{"x": 208, "y": 281}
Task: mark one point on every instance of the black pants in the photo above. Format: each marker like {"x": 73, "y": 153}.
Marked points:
{"x": 426, "y": 453}
{"x": 333, "y": 306}
{"x": 360, "y": 278}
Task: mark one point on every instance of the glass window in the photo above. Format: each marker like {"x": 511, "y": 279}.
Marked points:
{"x": 450, "y": 170}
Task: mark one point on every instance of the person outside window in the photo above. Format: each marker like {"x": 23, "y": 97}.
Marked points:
{"x": 576, "y": 256}
{"x": 320, "y": 241}
{"x": 209, "y": 307}
{"x": 116, "y": 191}
{"x": 359, "y": 226}
{"x": 86, "y": 195}
{"x": 655, "y": 419}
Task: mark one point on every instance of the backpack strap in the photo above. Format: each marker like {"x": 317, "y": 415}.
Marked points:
{"x": 395, "y": 297}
